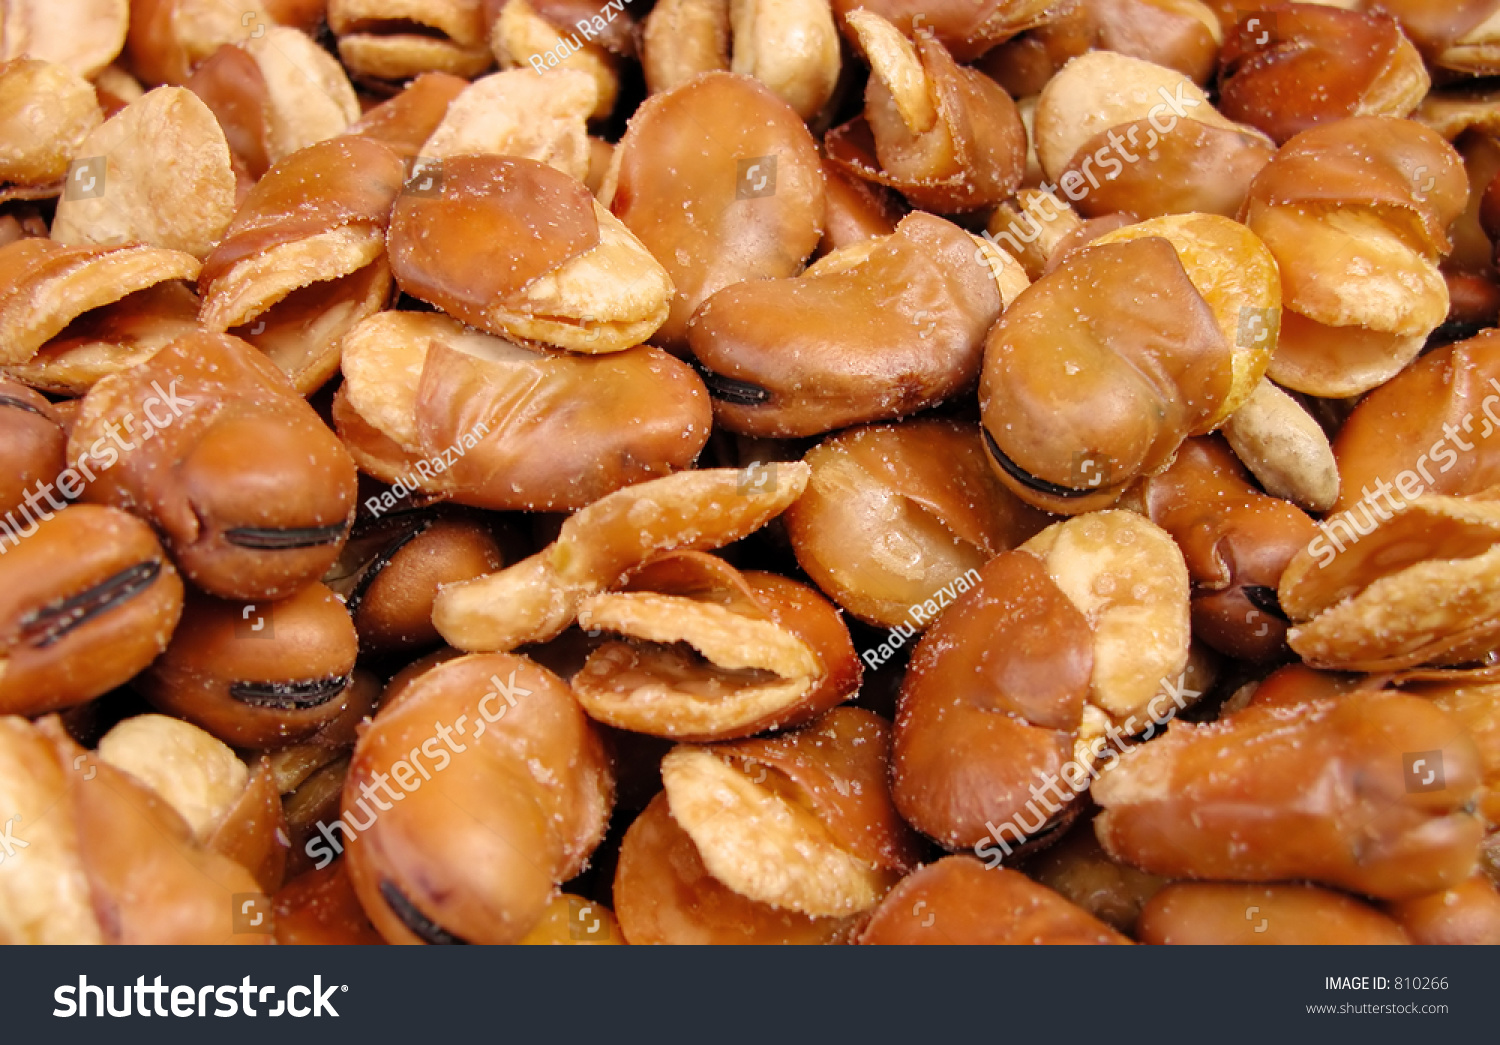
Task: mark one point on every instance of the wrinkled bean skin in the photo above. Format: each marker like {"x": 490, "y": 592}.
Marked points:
{"x": 1237, "y": 542}
{"x": 897, "y": 332}
{"x": 990, "y": 703}
{"x": 257, "y": 675}
{"x": 252, "y": 492}
{"x": 1220, "y": 913}
{"x": 538, "y": 782}
{"x": 1279, "y": 81}
{"x": 767, "y": 652}
{"x": 1312, "y": 792}
{"x": 86, "y": 602}
{"x": 707, "y": 228}
{"x": 957, "y": 901}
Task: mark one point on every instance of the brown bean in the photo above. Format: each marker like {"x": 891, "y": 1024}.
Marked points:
{"x": 32, "y": 447}
{"x": 715, "y": 220}
{"x": 260, "y": 675}
{"x": 253, "y": 493}
{"x": 894, "y": 514}
{"x": 884, "y": 328}
{"x": 958, "y": 901}
{"x": 87, "y": 600}
{"x": 1325, "y": 791}
{"x": 664, "y": 894}
{"x": 392, "y": 568}
{"x": 537, "y": 786}
{"x": 1237, "y": 542}
{"x": 320, "y": 907}
{"x": 1468, "y": 913}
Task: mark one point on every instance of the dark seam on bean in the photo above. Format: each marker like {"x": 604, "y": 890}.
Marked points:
{"x": 1028, "y": 480}
{"x": 265, "y": 539}
{"x": 732, "y": 390}
{"x": 52, "y": 622}
{"x": 289, "y": 696}
{"x": 1265, "y": 600}
{"x": 381, "y": 560}
{"x": 424, "y": 928}
{"x": 21, "y": 404}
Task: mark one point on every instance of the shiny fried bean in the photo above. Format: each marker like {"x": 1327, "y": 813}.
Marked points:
{"x": 231, "y": 809}
{"x": 895, "y": 514}
{"x": 664, "y": 894}
{"x": 718, "y": 218}
{"x": 88, "y": 598}
{"x": 948, "y": 138}
{"x": 477, "y": 249}
{"x": 257, "y": 675}
{"x": 1357, "y": 235}
{"x": 880, "y": 329}
{"x": 252, "y": 492}
{"x": 447, "y": 410}
{"x": 1278, "y": 81}
{"x": 1316, "y": 792}
{"x": 1096, "y": 137}
{"x": 1091, "y": 378}
{"x": 532, "y": 776}
{"x": 1468, "y": 913}
{"x": 535, "y": 599}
